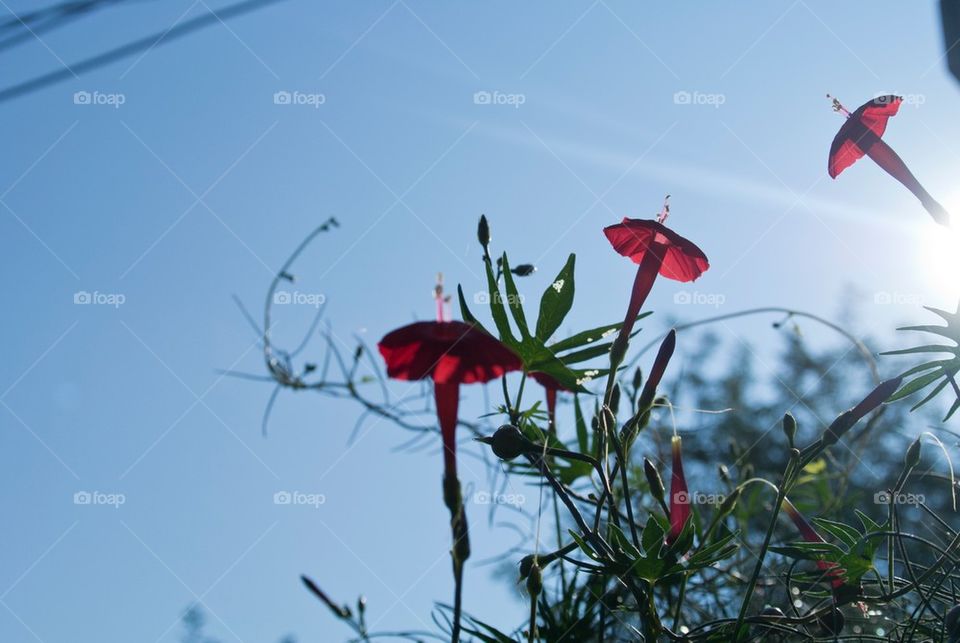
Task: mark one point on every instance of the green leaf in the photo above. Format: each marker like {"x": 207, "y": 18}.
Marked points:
{"x": 915, "y": 385}
{"x": 514, "y": 301}
{"x": 497, "y": 310}
{"x": 936, "y": 391}
{"x": 844, "y": 533}
{"x": 869, "y": 526}
{"x": 587, "y": 549}
{"x": 589, "y": 336}
{"x": 582, "y": 435}
{"x": 652, "y": 538}
{"x": 620, "y": 540}
{"x": 465, "y": 311}
{"x": 556, "y": 301}
{"x": 930, "y": 348}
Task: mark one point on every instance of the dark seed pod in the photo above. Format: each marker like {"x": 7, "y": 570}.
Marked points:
{"x": 508, "y": 442}
{"x": 524, "y": 270}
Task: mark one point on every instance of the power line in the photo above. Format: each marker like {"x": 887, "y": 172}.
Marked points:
{"x": 131, "y": 48}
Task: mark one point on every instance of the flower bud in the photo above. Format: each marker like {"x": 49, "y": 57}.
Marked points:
{"x": 789, "y": 428}
{"x": 524, "y": 270}
{"x": 724, "y": 473}
{"x": 729, "y": 503}
{"x": 637, "y": 379}
{"x": 338, "y": 610}
{"x": 615, "y": 398}
{"x": 483, "y": 232}
{"x": 657, "y": 490}
{"x": 664, "y": 354}
{"x": 871, "y": 402}
{"x": 508, "y": 442}
{"x": 912, "y": 457}
{"x": 535, "y": 581}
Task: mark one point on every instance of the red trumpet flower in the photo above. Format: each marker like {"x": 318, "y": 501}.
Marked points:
{"x": 862, "y": 134}
{"x": 658, "y": 250}
{"x": 451, "y": 353}
{"x": 679, "y": 494}
{"x": 810, "y": 535}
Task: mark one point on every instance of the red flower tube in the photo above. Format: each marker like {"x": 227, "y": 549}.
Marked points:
{"x": 811, "y": 536}
{"x": 862, "y": 133}
{"x": 680, "y": 510}
{"x": 451, "y": 353}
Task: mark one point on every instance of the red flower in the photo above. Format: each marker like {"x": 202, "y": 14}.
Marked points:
{"x": 451, "y": 353}
{"x": 862, "y": 134}
{"x": 658, "y": 250}
{"x": 679, "y": 258}
{"x": 810, "y": 535}
{"x": 680, "y": 510}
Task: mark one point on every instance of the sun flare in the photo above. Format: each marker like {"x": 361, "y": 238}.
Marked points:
{"x": 940, "y": 259}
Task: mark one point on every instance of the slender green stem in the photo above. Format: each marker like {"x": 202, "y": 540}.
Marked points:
{"x": 748, "y": 594}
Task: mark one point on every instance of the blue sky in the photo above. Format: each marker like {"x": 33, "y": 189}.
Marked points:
{"x": 199, "y": 184}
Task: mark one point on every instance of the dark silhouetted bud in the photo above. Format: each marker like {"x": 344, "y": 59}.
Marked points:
{"x": 789, "y": 428}
{"x": 615, "y": 398}
{"x": 724, "y": 473}
{"x": 912, "y": 458}
{"x": 534, "y": 581}
{"x": 340, "y": 611}
{"x": 483, "y": 232}
{"x": 637, "y": 379}
{"x": 657, "y": 490}
{"x": 871, "y": 402}
{"x": 524, "y": 270}
{"x": 729, "y": 503}
{"x": 659, "y": 366}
